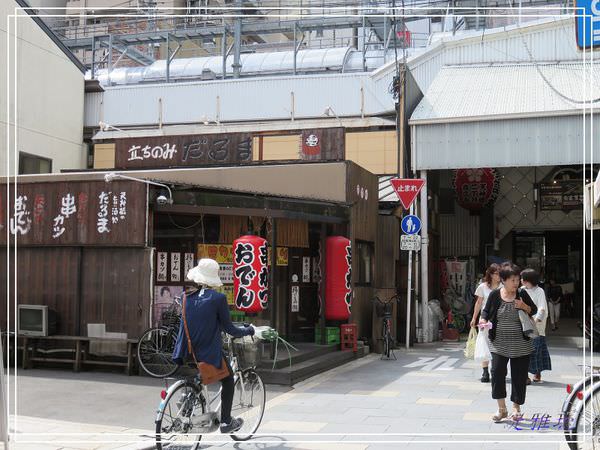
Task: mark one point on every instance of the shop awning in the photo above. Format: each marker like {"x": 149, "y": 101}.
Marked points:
{"x": 312, "y": 181}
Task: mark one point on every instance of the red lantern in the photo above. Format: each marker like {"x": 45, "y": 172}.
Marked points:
{"x": 476, "y": 188}
{"x": 338, "y": 278}
{"x": 250, "y": 273}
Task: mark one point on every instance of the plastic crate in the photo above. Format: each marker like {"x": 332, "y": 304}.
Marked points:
{"x": 332, "y": 335}
{"x": 237, "y": 316}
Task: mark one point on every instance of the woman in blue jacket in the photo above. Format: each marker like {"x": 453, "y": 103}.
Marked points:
{"x": 207, "y": 314}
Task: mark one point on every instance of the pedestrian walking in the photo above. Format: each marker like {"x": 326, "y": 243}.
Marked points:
{"x": 540, "y": 358}
{"x": 554, "y": 295}
{"x": 490, "y": 282}
{"x": 508, "y": 343}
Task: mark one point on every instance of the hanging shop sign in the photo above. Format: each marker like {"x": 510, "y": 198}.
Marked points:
{"x": 561, "y": 195}
{"x": 476, "y": 188}
{"x": 587, "y": 23}
{"x": 188, "y": 263}
{"x": 182, "y": 151}
{"x": 323, "y": 144}
{"x": 226, "y": 273}
{"x": 250, "y": 273}
{"x": 176, "y": 266}
{"x": 295, "y": 303}
{"x": 161, "y": 266}
{"x": 338, "y": 278}
{"x": 76, "y": 213}
{"x": 306, "y": 269}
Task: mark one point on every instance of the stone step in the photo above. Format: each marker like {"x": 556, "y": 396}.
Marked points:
{"x": 305, "y": 352}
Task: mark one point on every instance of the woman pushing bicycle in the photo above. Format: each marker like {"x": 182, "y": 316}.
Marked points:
{"x": 204, "y": 315}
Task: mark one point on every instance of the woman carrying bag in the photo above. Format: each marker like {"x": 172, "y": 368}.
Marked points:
{"x": 540, "y": 358}
{"x": 205, "y": 314}
{"x": 507, "y": 340}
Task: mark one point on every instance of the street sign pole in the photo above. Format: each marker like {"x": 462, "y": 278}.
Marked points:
{"x": 408, "y": 294}
{"x": 3, "y": 403}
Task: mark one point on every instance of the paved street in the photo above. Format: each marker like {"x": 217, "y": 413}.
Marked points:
{"x": 430, "y": 397}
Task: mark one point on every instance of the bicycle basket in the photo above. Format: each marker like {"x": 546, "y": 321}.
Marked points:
{"x": 382, "y": 310}
{"x": 248, "y": 352}
{"x": 170, "y": 317}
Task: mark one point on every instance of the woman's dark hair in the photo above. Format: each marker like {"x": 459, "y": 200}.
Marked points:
{"x": 531, "y": 276}
{"x": 508, "y": 270}
{"x": 494, "y": 268}
{"x": 165, "y": 288}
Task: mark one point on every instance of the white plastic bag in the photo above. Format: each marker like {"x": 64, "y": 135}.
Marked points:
{"x": 482, "y": 349}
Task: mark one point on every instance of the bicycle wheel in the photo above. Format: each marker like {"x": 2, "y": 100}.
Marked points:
{"x": 174, "y": 423}
{"x": 155, "y": 350}
{"x": 570, "y": 407}
{"x": 588, "y": 422}
{"x": 249, "y": 400}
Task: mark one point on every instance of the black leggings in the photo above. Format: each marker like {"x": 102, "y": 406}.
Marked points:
{"x": 518, "y": 377}
{"x": 227, "y": 395}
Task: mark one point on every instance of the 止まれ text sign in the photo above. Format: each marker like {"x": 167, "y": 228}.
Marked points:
{"x": 75, "y": 213}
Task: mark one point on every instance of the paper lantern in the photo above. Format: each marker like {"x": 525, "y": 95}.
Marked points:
{"x": 338, "y": 278}
{"x": 476, "y": 188}
{"x": 250, "y": 273}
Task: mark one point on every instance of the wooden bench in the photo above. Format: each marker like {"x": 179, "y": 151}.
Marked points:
{"x": 81, "y": 351}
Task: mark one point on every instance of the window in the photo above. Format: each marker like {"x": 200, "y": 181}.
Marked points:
{"x": 33, "y": 164}
{"x": 364, "y": 255}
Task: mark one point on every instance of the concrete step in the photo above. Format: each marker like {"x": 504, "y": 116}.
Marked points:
{"x": 290, "y": 375}
{"x": 305, "y": 352}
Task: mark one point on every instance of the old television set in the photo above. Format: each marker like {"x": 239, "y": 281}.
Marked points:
{"x": 36, "y": 320}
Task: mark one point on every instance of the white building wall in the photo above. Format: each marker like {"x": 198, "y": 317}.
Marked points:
{"x": 49, "y": 90}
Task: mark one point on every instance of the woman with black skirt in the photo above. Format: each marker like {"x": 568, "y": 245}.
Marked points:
{"x": 507, "y": 341}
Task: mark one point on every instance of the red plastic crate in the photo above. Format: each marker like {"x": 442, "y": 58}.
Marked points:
{"x": 348, "y": 332}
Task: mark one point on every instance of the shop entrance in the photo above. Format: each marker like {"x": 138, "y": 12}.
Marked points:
{"x": 555, "y": 255}
{"x": 303, "y": 306}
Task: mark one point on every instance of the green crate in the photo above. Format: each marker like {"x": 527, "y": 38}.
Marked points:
{"x": 237, "y": 316}
{"x": 332, "y": 335}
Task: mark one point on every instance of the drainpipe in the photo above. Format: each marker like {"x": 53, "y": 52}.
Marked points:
{"x": 424, "y": 259}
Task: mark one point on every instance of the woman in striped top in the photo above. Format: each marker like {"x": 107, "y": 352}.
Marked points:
{"x": 507, "y": 341}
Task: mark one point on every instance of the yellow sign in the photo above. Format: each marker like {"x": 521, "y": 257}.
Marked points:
{"x": 282, "y": 256}
{"x": 221, "y": 253}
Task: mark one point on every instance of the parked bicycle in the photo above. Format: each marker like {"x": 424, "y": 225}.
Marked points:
{"x": 581, "y": 410}
{"x": 155, "y": 348}
{"x": 189, "y": 410}
{"x": 384, "y": 310}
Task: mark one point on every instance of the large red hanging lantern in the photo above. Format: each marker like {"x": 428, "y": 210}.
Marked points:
{"x": 338, "y": 278}
{"x": 250, "y": 273}
{"x": 476, "y": 188}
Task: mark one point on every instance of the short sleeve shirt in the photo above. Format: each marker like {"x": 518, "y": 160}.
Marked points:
{"x": 483, "y": 291}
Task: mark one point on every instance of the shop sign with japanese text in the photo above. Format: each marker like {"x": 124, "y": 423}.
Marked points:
{"x": 76, "y": 213}
{"x": 182, "y": 151}
{"x": 561, "y": 195}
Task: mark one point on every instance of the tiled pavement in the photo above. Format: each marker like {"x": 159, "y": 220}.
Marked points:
{"x": 429, "y": 398}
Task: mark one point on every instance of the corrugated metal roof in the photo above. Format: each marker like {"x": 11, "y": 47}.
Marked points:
{"x": 550, "y": 39}
{"x": 486, "y": 92}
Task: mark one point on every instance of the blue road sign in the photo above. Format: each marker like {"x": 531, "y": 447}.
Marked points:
{"x": 411, "y": 224}
{"x": 587, "y": 23}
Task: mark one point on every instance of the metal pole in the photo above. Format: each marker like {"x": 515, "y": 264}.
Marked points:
{"x": 110, "y": 54}
{"x": 409, "y": 293}
{"x": 237, "y": 41}
{"x": 272, "y": 280}
{"x": 322, "y": 256}
{"x": 424, "y": 253}
{"x": 168, "y": 60}
{"x": 94, "y": 57}
{"x": 224, "y": 49}
{"x": 295, "y": 48}
{"x": 3, "y": 404}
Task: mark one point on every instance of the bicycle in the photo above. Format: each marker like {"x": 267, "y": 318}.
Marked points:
{"x": 156, "y": 345}
{"x": 384, "y": 310}
{"x": 188, "y": 410}
{"x": 583, "y": 397}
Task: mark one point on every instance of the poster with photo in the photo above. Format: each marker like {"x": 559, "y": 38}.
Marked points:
{"x": 164, "y": 296}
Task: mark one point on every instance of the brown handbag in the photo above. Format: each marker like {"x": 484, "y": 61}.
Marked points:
{"x": 208, "y": 373}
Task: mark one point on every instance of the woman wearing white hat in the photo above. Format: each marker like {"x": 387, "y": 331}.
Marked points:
{"x": 207, "y": 314}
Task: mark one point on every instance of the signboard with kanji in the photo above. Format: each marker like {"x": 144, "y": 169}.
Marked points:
{"x": 407, "y": 189}
{"x": 76, "y": 213}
